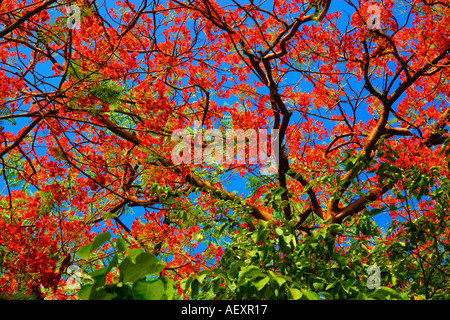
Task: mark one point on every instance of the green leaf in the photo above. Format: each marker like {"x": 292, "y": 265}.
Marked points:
{"x": 279, "y": 280}
{"x": 194, "y": 287}
{"x": 248, "y": 272}
{"x": 85, "y": 291}
{"x": 332, "y": 284}
{"x": 93, "y": 292}
{"x": 278, "y": 191}
{"x": 262, "y": 234}
{"x": 133, "y": 253}
{"x": 346, "y": 284}
{"x": 295, "y": 293}
{"x": 99, "y": 240}
{"x": 121, "y": 245}
{"x": 260, "y": 283}
{"x": 84, "y": 252}
{"x": 385, "y": 293}
{"x": 319, "y": 283}
{"x": 361, "y": 296}
{"x": 375, "y": 211}
{"x": 99, "y": 275}
{"x": 279, "y": 232}
{"x": 102, "y": 294}
{"x": 327, "y": 295}
{"x": 148, "y": 290}
{"x": 186, "y": 283}
{"x": 168, "y": 286}
{"x": 201, "y": 275}
{"x": 146, "y": 264}
{"x": 444, "y": 146}
{"x": 309, "y": 295}
{"x": 335, "y": 227}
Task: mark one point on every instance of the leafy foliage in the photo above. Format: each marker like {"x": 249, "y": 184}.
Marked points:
{"x": 134, "y": 267}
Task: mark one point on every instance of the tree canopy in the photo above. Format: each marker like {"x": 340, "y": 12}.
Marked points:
{"x": 350, "y": 96}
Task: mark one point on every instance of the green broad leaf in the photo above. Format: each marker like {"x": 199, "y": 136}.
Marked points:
{"x": 279, "y": 280}
{"x": 194, "y": 287}
{"x": 85, "y": 291}
{"x": 133, "y": 253}
{"x": 361, "y": 296}
{"x": 262, "y": 234}
{"x": 168, "y": 287}
{"x": 264, "y": 223}
{"x": 217, "y": 286}
{"x": 327, "y": 295}
{"x": 146, "y": 264}
{"x": 349, "y": 164}
{"x": 186, "y": 283}
{"x": 102, "y": 294}
{"x": 121, "y": 245}
{"x": 279, "y": 232}
{"x": 112, "y": 288}
{"x": 84, "y": 252}
{"x": 375, "y": 211}
{"x": 148, "y": 290}
{"x": 358, "y": 167}
{"x": 385, "y": 293}
{"x": 447, "y": 152}
{"x": 331, "y": 285}
{"x": 99, "y": 240}
{"x": 201, "y": 275}
{"x": 93, "y": 292}
{"x": 260, "y": 283}
{"x": 346, "y": 284}
{"x": 444, "y": 146}
{"x": 235, "y": 268}
{"x": 295, "y": 293}
{"x": 99, "y": 275}
{"x": 319, "y": 283}
{"x": 309, "y": 295}
{"x": 278, "y": 191}
{"x": 222, "y": 229}
{"x": 248, "y": 272}
{"x": 336, "y": 228}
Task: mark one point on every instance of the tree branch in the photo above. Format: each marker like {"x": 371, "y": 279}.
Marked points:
{"x": 25, "y": 17}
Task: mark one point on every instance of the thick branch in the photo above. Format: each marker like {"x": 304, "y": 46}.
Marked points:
{"x": 285, "y": 36}
{"x": 25, "y": 17}
{"x": 360, "y": 204}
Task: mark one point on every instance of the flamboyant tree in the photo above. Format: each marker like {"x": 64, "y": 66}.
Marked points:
{"x": 356, "y": 91}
